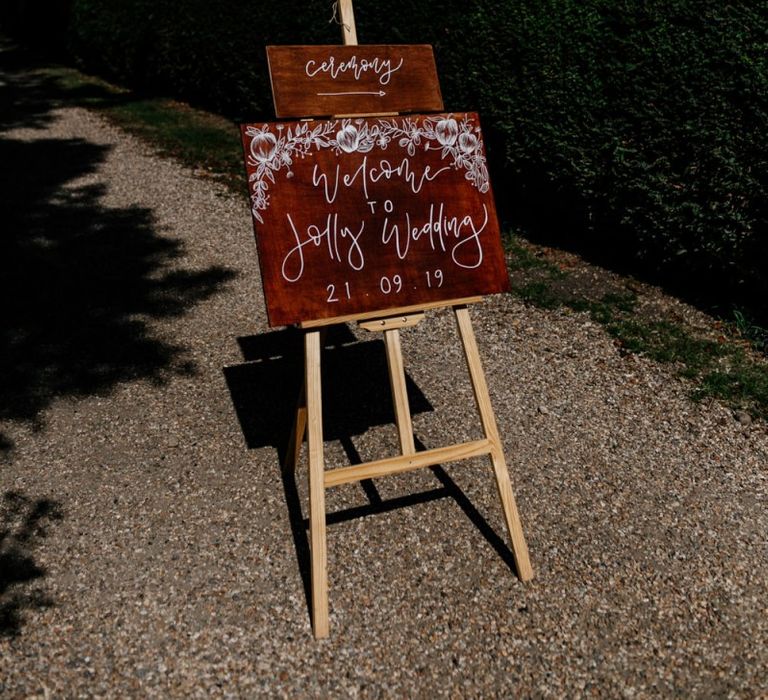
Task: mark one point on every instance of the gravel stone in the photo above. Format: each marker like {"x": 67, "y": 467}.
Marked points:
{"x": 169, "y": 559}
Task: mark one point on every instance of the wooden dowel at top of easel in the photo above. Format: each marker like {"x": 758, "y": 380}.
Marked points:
{"x": 347, "y": 18}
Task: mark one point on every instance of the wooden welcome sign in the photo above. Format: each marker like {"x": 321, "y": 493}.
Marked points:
{"x": 368, "y": 214}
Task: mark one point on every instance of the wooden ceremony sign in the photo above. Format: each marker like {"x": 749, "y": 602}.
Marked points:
{"x": 323, "y": 80}
{"x": 374, "y": 219}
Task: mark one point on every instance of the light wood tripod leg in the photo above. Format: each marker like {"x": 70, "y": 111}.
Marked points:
{"x": 399, "y": 391}
{"x": 317, "y": 535}
{"x": 298, "y": 431}
{"x": 483, "y": 400}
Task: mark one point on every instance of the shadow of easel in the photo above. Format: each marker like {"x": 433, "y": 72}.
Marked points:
{"x": 263, "y": 388}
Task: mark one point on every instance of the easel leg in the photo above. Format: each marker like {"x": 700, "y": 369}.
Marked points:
{"x": 298, "y": 431}
{"x": 480, "y": 387}
{"x": 399, "y": 391}
{"x": 316, "y": 484}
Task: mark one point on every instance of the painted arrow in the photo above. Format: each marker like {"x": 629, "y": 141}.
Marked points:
{"x": 380, "y": 93}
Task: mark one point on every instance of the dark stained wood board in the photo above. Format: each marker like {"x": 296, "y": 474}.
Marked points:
{"x": 368, "y": 214}
{"x": 359, "y": 79}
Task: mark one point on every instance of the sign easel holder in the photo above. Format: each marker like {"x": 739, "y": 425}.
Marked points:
{"x": 308, "y": 421}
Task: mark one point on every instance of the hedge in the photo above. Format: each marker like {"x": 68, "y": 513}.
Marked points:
{"x": 637, "y": 127}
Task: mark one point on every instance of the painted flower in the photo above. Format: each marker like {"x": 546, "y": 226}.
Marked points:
{"x": 263, "y": 146}
{"x": 377, "y": 136}
{"x": 348, "y": 138}
{"x": 446, "y": 131}
{"x": 468, "y": 142}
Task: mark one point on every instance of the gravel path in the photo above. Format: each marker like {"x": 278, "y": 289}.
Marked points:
{"x": 149, "y": 546}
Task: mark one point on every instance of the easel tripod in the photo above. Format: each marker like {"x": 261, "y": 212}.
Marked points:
{"x": 309, "y": 421}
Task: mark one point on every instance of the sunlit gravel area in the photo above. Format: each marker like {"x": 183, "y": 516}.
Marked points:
{"x": 151, "y": 548}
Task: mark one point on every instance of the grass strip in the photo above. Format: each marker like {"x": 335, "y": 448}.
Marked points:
{"x": 205, "y": 142}
{"x": 729, "y": 366}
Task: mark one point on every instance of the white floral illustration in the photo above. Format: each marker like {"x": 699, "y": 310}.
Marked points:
{"x": 457, "y": 139}
{"x": 447, "y": 131}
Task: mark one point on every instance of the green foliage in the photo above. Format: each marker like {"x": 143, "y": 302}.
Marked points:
{"x": 756, "y": 335}
{"x": 744, "y": 384}
{"x": 642, "y": 127}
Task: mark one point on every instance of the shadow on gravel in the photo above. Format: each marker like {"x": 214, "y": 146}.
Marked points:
{"x": 356, "y": 397}
{"x": 22, "y": 524}
{"x": 79, "y": 282}
{"x": 355, "y": 386}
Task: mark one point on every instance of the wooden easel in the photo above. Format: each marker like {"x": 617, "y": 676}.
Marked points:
{"x": 309, "y": 421}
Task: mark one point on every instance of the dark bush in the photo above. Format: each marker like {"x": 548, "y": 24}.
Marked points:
{"x": 640, "y": 128}
{"x": 637, "y": 128}
{"x": 210, "y": 53}
{"x": 41, "y": 23}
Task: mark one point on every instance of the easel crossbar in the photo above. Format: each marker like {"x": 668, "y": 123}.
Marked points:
{"x": 406, "y": 463}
